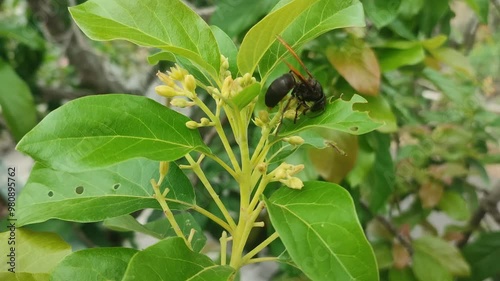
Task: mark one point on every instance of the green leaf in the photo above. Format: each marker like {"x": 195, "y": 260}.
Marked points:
{"x": 380, "y": 111}
{"x": 16, "y": 102}
{"x": 171, "y": 260}
{"x": 25, "y": 34}
{"x": 391, "y": 58}
{"x": 379, "y": 184}
{"x": 104, "y": 193}
{"x": 382, "y": 12}
{"x": 338, "y": 115}
{"x": 236, "y": 16}
{"x": 161, "y": 228}
{"x": 401, "y": 275}
{"x": 447, "y": 85}
{"x": 106, "y": 264}
{"x": 248, "y": 94}
{"x": 227, "y": 48}
{"x": 297, "y": 22}
{"x": 36, "y": 254}
{"x": 23, "y": 276}
{"x": 321, "y": 232}
{"x": 483, "y": 255}
{"x": 436, "y": 259}
{"x": 454, "y": 59}
{"x": 98, "y": 131}
{"x": 168, "y": 25}
{"x": 356, "y": 62}
{"x": 454, "y": 206}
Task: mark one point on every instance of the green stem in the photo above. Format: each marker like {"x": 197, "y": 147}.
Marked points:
{"x": 168, "y": 213}
{"x": 201, "y": 175}
{"x": 263, "y": 259}
{"x": 220, "y": 132}
{"x": 259, "y": 247}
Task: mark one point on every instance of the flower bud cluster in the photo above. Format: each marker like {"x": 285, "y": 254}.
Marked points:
{"x": 262, "y": 120}
{"x": 204, "y": 122}
{"x": 285, "y": 174}
{"x": 178, "y": 83}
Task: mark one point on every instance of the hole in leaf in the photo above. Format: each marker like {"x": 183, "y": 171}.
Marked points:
{"x": 354, "y": 129}
{"x": 50, "y": 193}
{"x": 116, "y": 186}
{"x": 79, "y": 189}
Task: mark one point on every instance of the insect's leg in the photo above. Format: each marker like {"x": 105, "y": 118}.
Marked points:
{"x": 282, "y": 113}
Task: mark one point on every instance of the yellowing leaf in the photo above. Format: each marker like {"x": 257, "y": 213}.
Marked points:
{"x": 430, "y": 194}
{"x": 357, "y": 63}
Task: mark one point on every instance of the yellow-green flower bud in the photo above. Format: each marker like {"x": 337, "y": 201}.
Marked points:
{"x": 177, "y": 73}
{"x": 205, "y": 121}
{"x": 164, "y": 165}
{"x": 294, "y": 140}
{"x": 264, "y": 116}
{"x": 192, "y": 125}
{"x": 226, "y": 87}
{"x": 224, "y": 63}
{"x": 262, "y": 167}
{"x": 258, "y": 122}
{"x": 179, "y": 102}
{"x": 294, "y": 183}
{"x": 290, "y": 114}
{"x": 165, "y": 79}
{"x": 189, "y": 83}
{"x": 166, "y": 91}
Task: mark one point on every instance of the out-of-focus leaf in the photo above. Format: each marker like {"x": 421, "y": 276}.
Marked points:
{"x": 436, "y": 259}
{"x": 24, "y": 34}
{"x": 379, "y": 183}
{"x": 36, "y": 254}
{"x": 454, "y": 59}
{"x": 334, "y": 162}
{"x": 16, "y": 102}
{"x": 434, "y": 42}
{"x": 454, "y": 206}
{"x": 383, "y": 255}
{"x": 483, "y": 255}
{"x": 356, "y": 62}
{"x": 481, "y": 8}
{"x": 380, "y": 111}
{"x": 382, "y": 12}
{"x": 393, "y": 58}
{"x": 401, "y": 275}
{"x": 430, "y": 193}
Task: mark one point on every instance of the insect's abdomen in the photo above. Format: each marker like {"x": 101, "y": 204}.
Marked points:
{"x": 279, "y": 88}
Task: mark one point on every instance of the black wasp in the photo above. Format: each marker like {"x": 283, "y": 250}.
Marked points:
{"x": 303, "y": 89}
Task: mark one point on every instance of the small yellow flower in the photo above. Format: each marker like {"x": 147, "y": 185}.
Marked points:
{"x": 192, "y": 125}
{"x": 179, "y": 102}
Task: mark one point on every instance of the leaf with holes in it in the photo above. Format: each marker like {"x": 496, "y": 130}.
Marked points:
{"x": 98, "y": 131}
{"x": 321, "y": 232}
{"x": 171, "y": 260}
{"x": 168, "y": 25}
{"x": 99, "y": 194}
{"x": 338, "y": 115}
{"x": 94, "y": 264}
